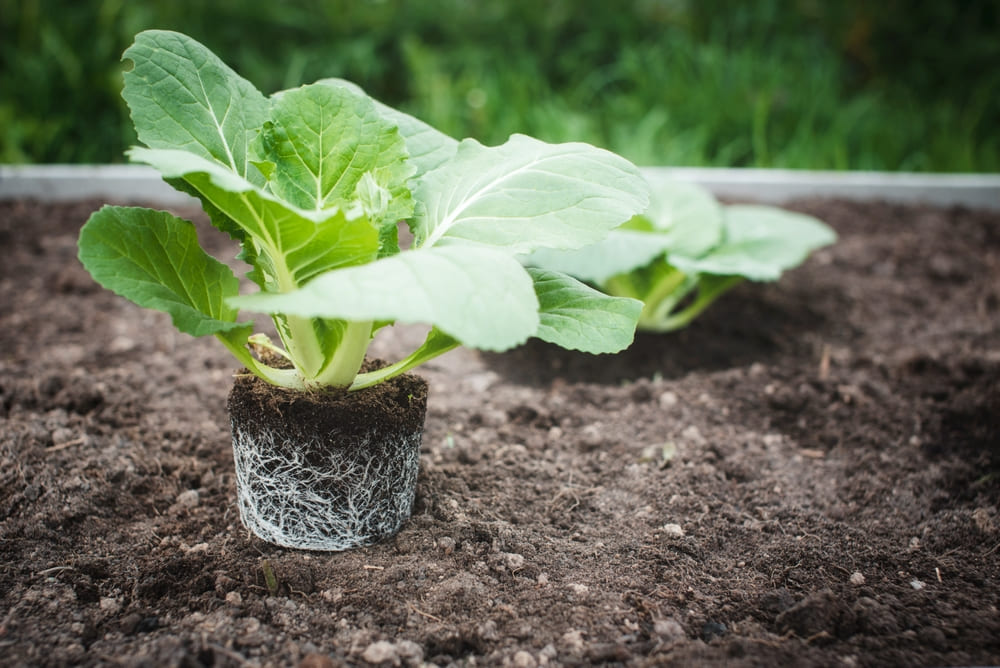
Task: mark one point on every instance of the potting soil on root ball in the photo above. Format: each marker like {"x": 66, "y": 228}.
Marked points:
{"x": 326, "y": 471}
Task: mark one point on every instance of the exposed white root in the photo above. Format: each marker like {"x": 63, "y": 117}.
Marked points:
{"x": 334, "y": 498}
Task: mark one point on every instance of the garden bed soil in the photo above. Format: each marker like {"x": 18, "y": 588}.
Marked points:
{"x": 808, "y": 475}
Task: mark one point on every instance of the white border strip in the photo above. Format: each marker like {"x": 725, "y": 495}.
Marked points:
{"x": 980, "y": 191}
{"x": 60, "y": 183}
{"x": 137, "y": 183}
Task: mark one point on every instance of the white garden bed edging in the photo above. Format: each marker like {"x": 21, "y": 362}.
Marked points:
{"x": 137, "y": 183}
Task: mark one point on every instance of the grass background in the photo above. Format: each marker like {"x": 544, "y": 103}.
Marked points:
{"x": 852, "y": 84}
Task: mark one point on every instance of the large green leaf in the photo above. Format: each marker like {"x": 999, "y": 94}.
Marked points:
{"x": 326, "y": 140}
{"x": 153, "y": 259}
{"x": 575, "y": 316}
{"x": 527, "y": 194}
{"x": 295, "y": 244}
{"x": 181, "y": 95}
{"x": 480, "y": 296}
{"x": 428, "y": 148}
{"x": 760, "y": 243}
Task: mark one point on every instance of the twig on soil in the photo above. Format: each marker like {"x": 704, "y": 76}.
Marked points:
{"x": 55, "y": 569}
{"x": 68, "y": 444}
{"x": 570, "y": 490}
{"x": 369, "y": 567}
{"x": 425, "y": 614}
{"x": 824, "y": 362}
{"x": 822, "y": 635}
{"x": 842, "y": 569}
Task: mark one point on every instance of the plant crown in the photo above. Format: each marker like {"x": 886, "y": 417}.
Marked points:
{"x": 687, "y": 249}
{"x": 312, "y": 182}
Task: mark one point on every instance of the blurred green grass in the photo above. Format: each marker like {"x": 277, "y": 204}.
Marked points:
{"x": 891, "y": 86}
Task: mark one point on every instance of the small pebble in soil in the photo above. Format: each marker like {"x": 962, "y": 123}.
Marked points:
{"x": 572, "y": 640}
{"x": 857, "y": 579}
{"x": 917, "y": 584}
{"x": 410, "y": 652}
{"x": 447, "y": 544}
{"x": 110, "y": 605}
{"x": 523, "y": 659}
{"x": 667, "y": 400}
{"x": 512, "y": 560}
{"x": 381, "y": 652}
{"x": 234, "y": 598}
{"x": 188, "y": 499}
{"x": 62, "y": 435}
{"x": 712, "y": 630}
{"x": 673, "y": 530}
{"x": 693, "y": 435}
{"x": 488, "y": 630}
{"x": 668, "y": 629}
{"x": 147, "y": 625}
{"x": 316, "y": 660}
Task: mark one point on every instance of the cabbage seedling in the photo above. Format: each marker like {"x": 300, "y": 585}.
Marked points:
{"x": 312, "y": 182}
{"x": 687, "y": 250}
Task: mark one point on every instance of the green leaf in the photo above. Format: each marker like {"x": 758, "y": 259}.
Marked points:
{"x": 575, "y": 316}
{"x": 760, "y": 243}
{"x": 326, "y": 140}
{"x": 181, "y": 95}
{"x": 292, "y": 245}
{"x": 526, "y": 194}
{"x": 153, "y": 259}
{"x": 480, "y": 296}
{"x": 681, "y": 218}
{"x": 686, "y": 218}
{"x": 428, "y": 148}
{"x": 621, "y": 252}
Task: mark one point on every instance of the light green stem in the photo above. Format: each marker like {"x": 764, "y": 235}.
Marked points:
{"x": 666, "y": 293}
{"x": 288, "y": 378}
{"x": 437, "y": 343}
{"x": 706, "y": 296}
{"x": 350, "y": 354}
{"x": 303, "y": 345}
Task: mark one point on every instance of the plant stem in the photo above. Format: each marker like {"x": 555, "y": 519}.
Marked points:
{"x": 287, "y": 378}
{"x": 303, "y": 345}
{"x": 665, "y": 294}
{"x": 707, "y": 293}
{"x": 349, "y": 355}
{"x": 437, "y": 343}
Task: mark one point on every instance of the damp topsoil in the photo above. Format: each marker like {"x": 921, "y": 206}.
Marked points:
{"x": 808, "y": 475}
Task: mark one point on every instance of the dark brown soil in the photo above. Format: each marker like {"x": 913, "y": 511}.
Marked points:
{"x": 390, "y": 408}
{"x": 806, "y": 476}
